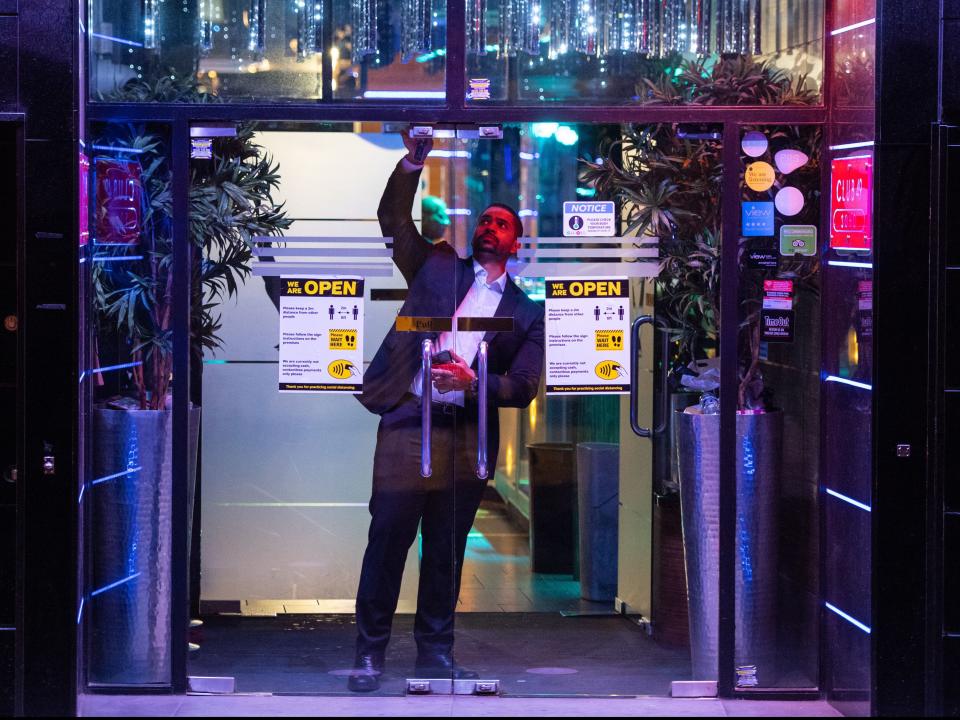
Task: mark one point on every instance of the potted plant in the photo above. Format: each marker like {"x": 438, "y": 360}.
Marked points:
{"x": 668, "y": 180}
{"x": 132, "y": 290}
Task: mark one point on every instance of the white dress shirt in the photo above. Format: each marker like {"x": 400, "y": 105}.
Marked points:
{"x": 481, "y": 300}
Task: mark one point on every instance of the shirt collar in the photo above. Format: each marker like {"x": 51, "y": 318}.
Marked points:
{"x": 481, "y": 276}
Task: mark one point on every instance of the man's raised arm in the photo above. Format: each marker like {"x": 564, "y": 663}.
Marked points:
{"x": 395, "y": 213}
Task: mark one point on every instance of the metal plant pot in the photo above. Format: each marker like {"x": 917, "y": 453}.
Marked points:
{"x": 759, "y": 439}
{"x": 130, "y": 540}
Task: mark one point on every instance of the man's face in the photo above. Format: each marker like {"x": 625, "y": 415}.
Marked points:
{"x": 495, "y": 237}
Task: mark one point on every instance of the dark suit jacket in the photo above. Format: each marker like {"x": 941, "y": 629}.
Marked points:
{"x": 438, "y": 280}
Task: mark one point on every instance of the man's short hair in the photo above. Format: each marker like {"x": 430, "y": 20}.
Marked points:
{"x": 517, "y": 222}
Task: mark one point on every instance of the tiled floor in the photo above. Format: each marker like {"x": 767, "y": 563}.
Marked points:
{"x": 496, "y": 578}
{"x": 271, "y": 706}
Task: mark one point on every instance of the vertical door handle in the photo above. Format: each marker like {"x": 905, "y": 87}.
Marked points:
{"x": 426, "y": 401}
{"x": 634, "y": 382}
{"x": 482, "y": 420}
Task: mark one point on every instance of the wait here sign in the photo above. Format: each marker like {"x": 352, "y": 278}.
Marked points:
{"x": 589, "y": 219}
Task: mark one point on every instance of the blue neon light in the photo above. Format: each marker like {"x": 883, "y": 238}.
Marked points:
{"x": 122, "y": 41}
{"x": 108, "y": 368}
{"x": 117, "y": 148}
{"x": 112, "y": 585}
{"x": 853, "y": 145}
{"x": 117, "y": 258}
{"x": 854, "y": 26}
{"x": 849, "y": 618}
{"x": 80, "y": 496}
{"x": 848, "y": 263}
{"x": 105, "y": 478}
{"x": 855, "y": 503}
{"x": 854, "y": 383}
{"x": 80, "y": 611}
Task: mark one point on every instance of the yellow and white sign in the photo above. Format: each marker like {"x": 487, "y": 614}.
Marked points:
{"x": 587, "y": 326}
{"x": 321, "y": 335}
{"x": 759, "y": 176}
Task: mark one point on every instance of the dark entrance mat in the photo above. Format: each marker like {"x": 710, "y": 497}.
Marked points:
{"x": 530, "y": 653}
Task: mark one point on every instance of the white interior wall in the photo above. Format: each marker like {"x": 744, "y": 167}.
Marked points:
{"x": 286, "y": 478}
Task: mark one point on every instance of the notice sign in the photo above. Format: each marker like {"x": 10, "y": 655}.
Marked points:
{"x": 776, "y": 317}
{"x": 851, "y": 203}
{"x": 321, "y": 335}
{"x": 588, "y": 329}
{"x": 119, "y": 197}
{"x": 589, "y": 219}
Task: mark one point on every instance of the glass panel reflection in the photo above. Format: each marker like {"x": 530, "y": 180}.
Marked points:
{"x": 128, "y": 489}
{"x": 778, "y": 421}
{"x": 256, "y": 50}
{"x": 623, "y": 51}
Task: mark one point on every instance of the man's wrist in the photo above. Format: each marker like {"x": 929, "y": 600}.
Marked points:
{"x": 409, "y": 165}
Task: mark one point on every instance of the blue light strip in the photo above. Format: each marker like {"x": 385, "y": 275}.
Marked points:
{"x": 852, "y": 146}
{"x": 80, "y": 611}
{"x": 112, "y": 585}
{"x": 406, "y": 94}
{"x": 854, "y": 383}
{"x": 117, "y": 258}
{"x": 80, "y": 496}
{"x": 850, "y": 263}
{"x": 82, "y": 376}
{"x": 855, "y": 26}
{"x": 122, "y": 41}
{"x": 849, "y": 618}
{"x": 108, "y": 368}
{"x": 118, "y": 149}
{"x": 841, "y": 496}
{"x": 105, "y": 478}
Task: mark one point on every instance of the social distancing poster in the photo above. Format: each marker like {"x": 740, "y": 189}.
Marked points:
{"x": 321, "y": 335}
{"x": 588, "y": 336}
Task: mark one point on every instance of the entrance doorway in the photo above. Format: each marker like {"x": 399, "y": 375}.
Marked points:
{"x": 548, "y": 526}
{"x": 285, "y": 477}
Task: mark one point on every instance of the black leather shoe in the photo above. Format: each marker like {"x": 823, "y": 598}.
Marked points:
{"x": 366, "y": 674}
{"x": 442, "y": 665}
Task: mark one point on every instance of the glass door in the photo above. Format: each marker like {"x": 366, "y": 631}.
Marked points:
{"x": 326, "y": 482}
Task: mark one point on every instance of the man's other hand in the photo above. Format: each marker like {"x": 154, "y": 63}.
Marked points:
{"x": 452, "y": 376}
{"x": 417, "y": 148}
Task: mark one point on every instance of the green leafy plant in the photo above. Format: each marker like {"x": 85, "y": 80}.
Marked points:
{"x": 667, "y": 180}
{"x": 231, "y": 202}
{"x": 741, "y": 80}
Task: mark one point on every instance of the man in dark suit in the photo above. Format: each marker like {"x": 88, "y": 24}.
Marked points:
{"x": 441, "y": 284}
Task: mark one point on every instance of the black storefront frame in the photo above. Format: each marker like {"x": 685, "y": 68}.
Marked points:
{"x": 180, "y": 117}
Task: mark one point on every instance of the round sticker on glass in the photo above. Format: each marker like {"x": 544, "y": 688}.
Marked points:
{"x": 754, "y": 143}
{"x": 789, "y": 201}
{"x": 759, "y": 176}
{"x": 789, "y": 160}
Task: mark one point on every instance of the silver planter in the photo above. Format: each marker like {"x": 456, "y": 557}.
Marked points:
{"x": 759, "y": 440}
{"x": 130, "y": 540}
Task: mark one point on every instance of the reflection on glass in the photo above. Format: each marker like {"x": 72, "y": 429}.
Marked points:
{"x": 248, "y": 50}
{"x": 778, "y": 446}
{"x": 609, "y": 50}
{"x": 128, "y": 492}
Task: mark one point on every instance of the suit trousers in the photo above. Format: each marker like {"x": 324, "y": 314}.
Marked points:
{"x": 443, "y": 506}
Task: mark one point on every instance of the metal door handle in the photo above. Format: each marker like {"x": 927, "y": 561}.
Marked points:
{"x": 482, "y": 420}
{"x": 635, "y": 385}
{"x": 426, "y": 401}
